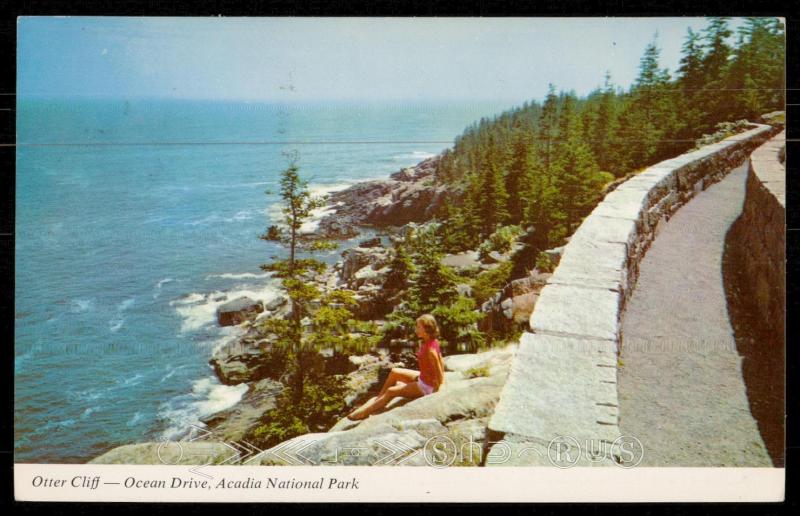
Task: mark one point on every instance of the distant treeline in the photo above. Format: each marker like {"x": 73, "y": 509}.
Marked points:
{"x": 544, "y": 165}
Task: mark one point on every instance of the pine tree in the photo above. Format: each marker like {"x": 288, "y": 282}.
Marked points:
{"x": 714, "y": 95}
{"x": 578, "y": 180}
{"x": 400, "y": 269}
{"x": 690, "y": 82}
{"x": 548, "y": 128}
{"x": 604, "y": 130}
{"x": 295, "y": 273}
{"x": 433, "y": 290}
{"x": 521, "y": 157}
{"x": 492, "y": 208}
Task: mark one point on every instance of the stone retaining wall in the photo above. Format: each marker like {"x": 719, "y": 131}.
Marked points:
{"x": 760, "y": 234}
{"x": 562, "y": 383}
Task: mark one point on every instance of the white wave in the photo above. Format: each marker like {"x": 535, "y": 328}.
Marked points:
{"x": 158, "y": 286}
{"x": 137, "y": 417}
{"x": 188, "y": 299}
{"x": 171, "y": 372}
{"x": 215, "y": 217}
{"x": 418, "y": 155}
{"x": 20, "y": 360}
{"x": 217, "y": 396}
{"x": 325, "y": 189}
{"x": 89, "y": 411}
{"x": 241, "y": 275}
{"x": 240, "y": 215}
{"x": 317, "y": 215}
{"x": 116, "y": 324}
{"x": 199, "y": 310}
{"x": 55, "y": 424}
{"x": 131, "y": 380}
{"x": 208, "y": 397}
{"x": 87, "y": 394}
{"x": 78, "y": 306}
{"x": 229, "y": 334}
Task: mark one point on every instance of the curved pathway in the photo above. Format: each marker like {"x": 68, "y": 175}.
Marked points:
{"x": 681, "y": 389}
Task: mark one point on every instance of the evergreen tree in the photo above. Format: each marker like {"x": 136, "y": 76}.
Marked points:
{"x": 433, "y": 290}
{"x": 522, "y": 148}
{"x": 400, "y": 269}
{"x": 690, "y": 83}
{"x": 548, "y": 128}
{"x": 715, "y": 68}
{"x": 605, "y": 129}
{"x": 492, "y": 209}
{"x": 579, "y": 176}
{"x": 296, "y": 275}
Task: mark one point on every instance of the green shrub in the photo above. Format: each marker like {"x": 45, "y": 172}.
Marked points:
{"x": 320, "y": 406}
{"x": 489, "y": 282}
{"x": 458, "y": 322}
{"x": 724, "y": 130}
{"x": 477, "y": 371}
{"x": 544, "y": 263}
{"x": 501, "y": 240}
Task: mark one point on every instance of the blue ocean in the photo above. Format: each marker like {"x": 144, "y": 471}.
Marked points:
{"x": 135, "y": 219}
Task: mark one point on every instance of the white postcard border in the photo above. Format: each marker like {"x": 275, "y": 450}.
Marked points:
{"x": 107, "y": 483}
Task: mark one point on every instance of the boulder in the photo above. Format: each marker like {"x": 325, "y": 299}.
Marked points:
{"x": 337, "y": 227}
{"x": 371, "y": 242}
{"x": 555, "y": 254}
{"x": 242, "y": 360}
{"x": 357, "y": 258}
{"x": 184, "y": 453}
{"x": 523, "y": 307}
{"x": 464, "y": 362}
{"x": 494, "y": 257}
{"x": 368, "y": 377}
{"x": 275, "y": 303}
{"x": 462, "y": 261}
{"x": 238, "y": 311}
{"x": 369, "y": 276}
{"x": 374, "y": 302}
{"x": 235, "y": 423}
{"x": 406, "y": 174}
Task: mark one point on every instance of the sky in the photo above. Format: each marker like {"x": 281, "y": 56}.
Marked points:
{"x": 307, "y": 59}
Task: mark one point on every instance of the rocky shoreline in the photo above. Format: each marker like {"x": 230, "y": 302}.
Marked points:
{"x": 410, "y": 195}
{"x": 406, "y": 199}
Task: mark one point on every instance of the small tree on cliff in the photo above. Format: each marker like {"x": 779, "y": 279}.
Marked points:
{"x": 317, "y": 320}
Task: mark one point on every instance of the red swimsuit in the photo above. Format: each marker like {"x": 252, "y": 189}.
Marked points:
{"x": 427, "y": 368}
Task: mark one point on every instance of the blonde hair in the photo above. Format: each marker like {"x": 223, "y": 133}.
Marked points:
{"x": 428, "y": 323}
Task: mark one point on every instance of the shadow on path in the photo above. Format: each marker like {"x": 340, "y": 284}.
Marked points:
{"x": 761, "y": 347}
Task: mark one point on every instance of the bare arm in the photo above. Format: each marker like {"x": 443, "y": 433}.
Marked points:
{"x": 438, "y": 372}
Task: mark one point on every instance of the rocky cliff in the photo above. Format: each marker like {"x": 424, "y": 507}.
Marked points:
{"x": 410, "y": 195}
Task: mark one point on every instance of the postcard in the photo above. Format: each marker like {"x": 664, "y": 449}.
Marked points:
{"x": 400, "y": 259}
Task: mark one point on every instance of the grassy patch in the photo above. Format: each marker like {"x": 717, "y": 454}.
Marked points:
{"x": 477, "y": 372}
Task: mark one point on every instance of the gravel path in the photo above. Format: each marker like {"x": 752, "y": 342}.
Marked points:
{"x": 681, "y": 390}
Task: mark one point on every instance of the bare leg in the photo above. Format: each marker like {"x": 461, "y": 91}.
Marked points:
{"x": 398, "y": 374}
{"x": 404, "y": 390}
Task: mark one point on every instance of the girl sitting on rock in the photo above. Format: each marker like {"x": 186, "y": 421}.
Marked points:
{"x": 407, "y": 383}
